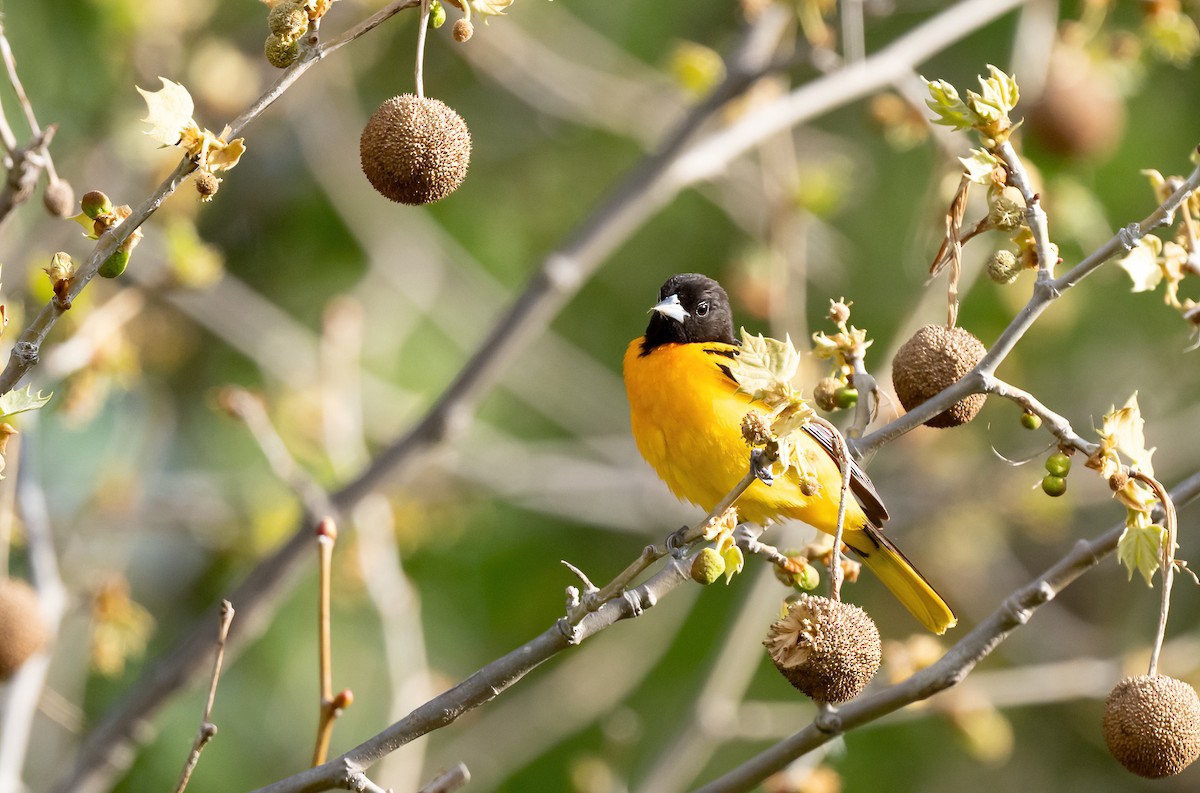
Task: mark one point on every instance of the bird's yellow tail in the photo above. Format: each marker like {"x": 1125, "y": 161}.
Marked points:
{"x": 901, "y": 578}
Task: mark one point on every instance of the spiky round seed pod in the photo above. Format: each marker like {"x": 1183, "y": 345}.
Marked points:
{"x": 22, "y": 629}
{"x": 463, "y": 30}
{"x": 935, "y": 358}
{"x": 825, "y": 393}
{"x": 1054, "y": 486}
{"x": 707, "y": 566}
{"x": 1152, "y": 725}
{"x": 755, "y": 429}
{"x": 207, "y": 185}
{"x": 810, "y": 485}
{"x": 59, "y": 198}
{"x": 288, "y": 20}
{"x": 1006, "y": 214}
{"x": 280, "y": 53}
{"x": 828, "y": 649}
{"x": 415, "y": 151}
{"x": 1003, "y": 267}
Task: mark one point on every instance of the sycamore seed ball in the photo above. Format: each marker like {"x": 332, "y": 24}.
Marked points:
{"x": 22, "y": 631}
{"x": 59, "y": 198}
{"x": 935, "y": 358}
{"x": 825, "y": 648}
{"x": 1152, "y": 725}
{"x": 281, "y": 53}
{"x": 288, "y": 20}
{"x": 415, "y": 151}
{"x": 463, "y": 30}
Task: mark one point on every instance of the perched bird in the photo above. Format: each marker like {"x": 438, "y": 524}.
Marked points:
{"x": 687, "y": 414}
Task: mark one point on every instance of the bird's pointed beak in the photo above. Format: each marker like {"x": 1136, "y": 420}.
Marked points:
{"x": 670, "y": 306}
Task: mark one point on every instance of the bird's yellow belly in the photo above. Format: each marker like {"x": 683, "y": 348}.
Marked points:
{"x": 686, "y": 416}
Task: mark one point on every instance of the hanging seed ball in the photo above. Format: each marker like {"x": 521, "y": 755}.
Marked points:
{"x": 22, "y": 631}
{"x": 825, "y": 648}
{"x": 825, "y": 393}
{"x": 935, "y": 358}
{"x": 1152, "y": 725}
{"x": 415, "y": 151}
{"x": 207, "y": 185}
{"x": 59, "y": 198}
{"x": 462, "y": 30}
{"x": 707, "y": 566}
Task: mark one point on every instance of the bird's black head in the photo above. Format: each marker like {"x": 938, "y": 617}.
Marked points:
{"x": 691, "y": 308}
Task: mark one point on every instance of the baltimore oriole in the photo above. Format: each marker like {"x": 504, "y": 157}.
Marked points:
{"x": 687, "y": 413}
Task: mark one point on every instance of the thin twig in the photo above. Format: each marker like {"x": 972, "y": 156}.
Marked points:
{"x": 208, "y": 730}
{"x": 330, "y": 706}
{"x": 250, "y": 410}
{"x": 422, "y": 30}
{"x": 1171, "y": 524}
{"x": 449, "y": 781}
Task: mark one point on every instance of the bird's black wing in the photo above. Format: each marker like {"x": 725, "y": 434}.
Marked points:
{"x": 860, "y": 483}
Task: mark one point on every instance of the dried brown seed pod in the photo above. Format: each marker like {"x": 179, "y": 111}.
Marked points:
{"x": 1152, "y": 725}
{"x": 414, "y": 150}
{"x": 935, "y": 358}
{"x": 825, "y": 648}
{"x": 22, "y": 629}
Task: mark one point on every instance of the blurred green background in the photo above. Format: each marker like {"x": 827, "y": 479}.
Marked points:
{"x": 349, "y": 315}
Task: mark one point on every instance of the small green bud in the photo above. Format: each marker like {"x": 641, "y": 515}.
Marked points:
{"x": 707, "y": 566}
{"x": 1003, "y": 267}
{"x": 825, "y": 393}
{"x": 1031, "y": 421}
{"x": 808, "y": 579}
{"x": 437, "y": 15}
{"x": 114, "y": 265}
{"x": 1058, "y": 464}
{"x": 1054, "y": 486}
{"x": 846, "y": 397}
{"x": 94, "y": 204}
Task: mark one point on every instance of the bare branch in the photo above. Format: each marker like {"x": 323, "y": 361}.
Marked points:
{"x": 208, "y": 730}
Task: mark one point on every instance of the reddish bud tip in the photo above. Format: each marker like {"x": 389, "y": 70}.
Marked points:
{"x": 343, "y": 699}
{"x": 327, "y": 528}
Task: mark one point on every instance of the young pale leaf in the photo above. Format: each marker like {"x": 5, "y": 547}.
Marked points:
{"x": 762, "y": 363}
{"x": 979, "y": 166}
{"x": 15, "y": 402}
{"x": 1140, "y": 548}
{"x": 1124, "y": 429}
{"x": 946, "y": 103}
{"x": 169, "y": 112}
{"x": 1141, "y": 263}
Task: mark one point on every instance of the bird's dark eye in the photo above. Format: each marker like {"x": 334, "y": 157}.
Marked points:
{"x": 702, "y": 308}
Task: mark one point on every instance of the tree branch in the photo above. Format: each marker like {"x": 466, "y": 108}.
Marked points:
{"x": 955, "y": 665}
